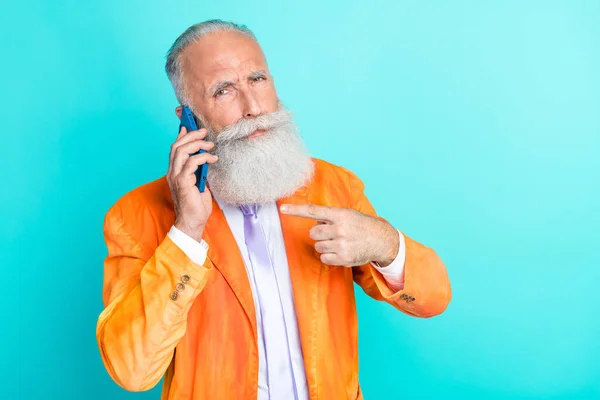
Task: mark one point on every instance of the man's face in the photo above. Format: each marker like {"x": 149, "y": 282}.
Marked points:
{"x": 227, "y": 79}
{"x": 261, "y": 155}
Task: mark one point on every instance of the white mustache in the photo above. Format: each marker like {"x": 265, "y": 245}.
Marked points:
{"x": 245, "y": 127}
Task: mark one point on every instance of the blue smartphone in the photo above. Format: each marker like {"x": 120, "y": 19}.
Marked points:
{"x": 191, "y": 124}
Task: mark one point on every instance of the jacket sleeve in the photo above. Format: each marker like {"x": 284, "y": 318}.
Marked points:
{"x": 144, "y": 316}
{"x": 426, "y": 291}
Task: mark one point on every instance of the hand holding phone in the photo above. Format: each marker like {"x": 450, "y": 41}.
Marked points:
{"x": 188, "y": 154}
{"x": 189, "y": 121}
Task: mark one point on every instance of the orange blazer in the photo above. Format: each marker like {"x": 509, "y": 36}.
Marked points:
{"x": 204, "y": 341}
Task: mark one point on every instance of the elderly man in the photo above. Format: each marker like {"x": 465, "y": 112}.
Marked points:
{"x": 246, "y": 290}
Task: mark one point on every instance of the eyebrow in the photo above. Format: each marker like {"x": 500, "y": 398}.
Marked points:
{"x": 223, "y": 84}
{"x": 220, "y": 85}
{"x": 257, "y": 74}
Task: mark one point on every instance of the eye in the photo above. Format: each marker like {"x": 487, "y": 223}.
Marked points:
{"x": 260, "y": 78}
{"x": 220, "y": 92}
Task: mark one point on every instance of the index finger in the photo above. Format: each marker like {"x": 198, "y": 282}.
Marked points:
{"x": 322, "y": 213}
{"x": 189, "y": 137}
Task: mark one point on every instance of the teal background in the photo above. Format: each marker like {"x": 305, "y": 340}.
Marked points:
{"x": 475, "y": 126}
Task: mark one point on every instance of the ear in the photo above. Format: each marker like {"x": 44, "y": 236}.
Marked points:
{"x": 178, "y": 111}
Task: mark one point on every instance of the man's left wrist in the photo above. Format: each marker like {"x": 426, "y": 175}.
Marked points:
{"x": 393, "y": 246}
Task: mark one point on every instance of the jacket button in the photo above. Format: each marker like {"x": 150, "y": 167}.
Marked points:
{"x": 180, "y": 287}
{"x": 174, "y": 296}
{"x": 185, "y": 279}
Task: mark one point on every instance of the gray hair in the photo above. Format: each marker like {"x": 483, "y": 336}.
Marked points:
{"x": 192, "y": 35}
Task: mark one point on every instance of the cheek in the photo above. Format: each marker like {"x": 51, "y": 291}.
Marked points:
{"x": 224, "y": 114}
{"x": 269, "y": 99}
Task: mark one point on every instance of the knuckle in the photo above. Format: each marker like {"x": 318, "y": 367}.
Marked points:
{"x": 191, "y": 146}
{"x": 201, "y": 158}
{"x": 181, "y": 179}
{"x": 179, "y": 151}
{"x": 320, "y": 231}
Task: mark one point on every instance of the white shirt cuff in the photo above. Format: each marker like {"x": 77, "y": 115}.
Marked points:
{"x": 196, "y": 251}
{"x": 394, "y": 273}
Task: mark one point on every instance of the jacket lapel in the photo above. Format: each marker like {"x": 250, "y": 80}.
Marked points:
{"x": 305, "y": 271}
{"x": 225, "y": 255}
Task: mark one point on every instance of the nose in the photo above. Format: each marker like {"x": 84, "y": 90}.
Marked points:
{"x": 252, "y": 107}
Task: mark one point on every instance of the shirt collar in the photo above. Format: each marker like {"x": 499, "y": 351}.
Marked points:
{"x": 219, "y": 200}
{"x": 223, "y": 204}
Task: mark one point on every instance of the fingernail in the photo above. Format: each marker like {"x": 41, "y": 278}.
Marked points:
{"x": 284, "y": 208}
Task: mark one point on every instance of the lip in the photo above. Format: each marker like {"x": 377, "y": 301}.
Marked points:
{"x": 257, "y": 133}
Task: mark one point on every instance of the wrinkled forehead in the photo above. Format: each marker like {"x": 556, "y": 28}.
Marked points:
{"x": 226, "y": 55}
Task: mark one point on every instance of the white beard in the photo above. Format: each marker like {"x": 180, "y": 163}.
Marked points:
{"x": 261, "y": 169}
